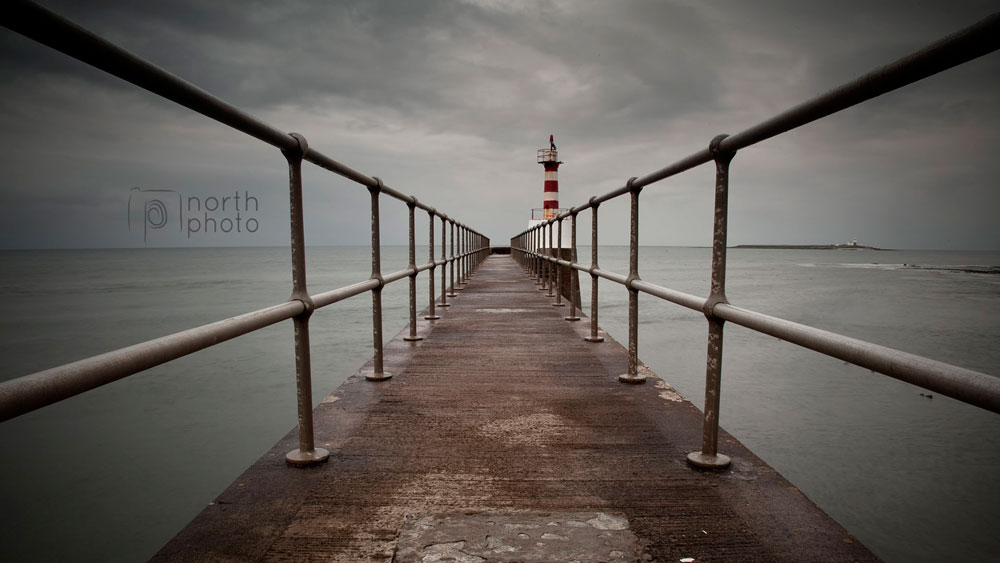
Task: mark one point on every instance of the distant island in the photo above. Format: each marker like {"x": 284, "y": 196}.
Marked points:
{"x": 853, "y": 245}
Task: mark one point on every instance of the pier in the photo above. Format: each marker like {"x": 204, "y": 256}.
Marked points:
{"x": 496, "y": 426}
{"x": 503, "y": 413}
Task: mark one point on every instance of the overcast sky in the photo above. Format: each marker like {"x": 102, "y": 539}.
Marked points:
{"x": 449, "y": 101}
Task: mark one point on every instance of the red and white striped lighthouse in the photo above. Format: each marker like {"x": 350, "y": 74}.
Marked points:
{"x": 549, "y": 158}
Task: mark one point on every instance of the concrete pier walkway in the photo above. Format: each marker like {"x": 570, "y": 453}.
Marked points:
{"x": 504, "y": 436}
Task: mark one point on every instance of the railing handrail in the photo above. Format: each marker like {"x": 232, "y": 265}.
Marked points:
{"x": 966, "y": 385}
{"x": 953, "y": 50}
{"x": 33, "y": 391}
{"x": 48, "y": 28}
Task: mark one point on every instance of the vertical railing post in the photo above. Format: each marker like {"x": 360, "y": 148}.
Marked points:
{"x": 540, "y": 243}
{"x": 461, "y": 258}
{"x": 574, "y": 289}
{"x": 520, "y": 251}
{"x": 593, "y": 276}
{"x": 558, "y": 254}
{"x": 709, "y": 456}
{"x": 528, "y": 259}
{"x": 542, "y": 264}
{"x": 444, "y": 262}
{"x": 469, "y": 249}
{"x": 633, "y": 375}
{"x": 411, "y": 207}
{"x": 543, "y": 271}
{"x": 451, "y": 229}
{"x": 307, "y": 453}
{"x": 431, "y": 315}
{"x": 379, "y": 373}
{"x": 532, "y": 264}
{"x": 549, "y": 272}
{"x": 539, "y": 265}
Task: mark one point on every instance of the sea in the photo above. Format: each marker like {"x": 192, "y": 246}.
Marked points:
{"x": 115, "y": 473}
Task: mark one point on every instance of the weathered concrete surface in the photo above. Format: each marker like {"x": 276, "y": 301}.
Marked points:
{"x": 584, "y": 537}
{"x": 503, "y": 409}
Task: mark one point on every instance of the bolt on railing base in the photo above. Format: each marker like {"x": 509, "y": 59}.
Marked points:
{"x": 572, "y": 319}
{"x": 708, "y": 461}
{"x": 300, "y": 458}
{"x": 594, "y": 338}
{"x": 637, "y": 378}
{"x": 378, "y": 376}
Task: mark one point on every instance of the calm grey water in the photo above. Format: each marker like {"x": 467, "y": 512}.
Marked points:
{"x": 112, "y": 475}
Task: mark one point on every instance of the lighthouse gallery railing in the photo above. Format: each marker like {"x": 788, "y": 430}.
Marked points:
{"x": 965, "y": 385}
{"x": 468, "y": 247}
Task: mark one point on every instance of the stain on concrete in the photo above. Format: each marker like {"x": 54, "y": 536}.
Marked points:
{"x": 588, "y": 537}
{"x": 668, "y": 393}
{"x": 530, "y": 429}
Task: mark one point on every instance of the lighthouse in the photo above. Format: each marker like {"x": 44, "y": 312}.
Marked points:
{"x": 549, "y": 159}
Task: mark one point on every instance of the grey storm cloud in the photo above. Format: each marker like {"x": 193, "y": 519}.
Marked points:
{"x": 448, "y": 100}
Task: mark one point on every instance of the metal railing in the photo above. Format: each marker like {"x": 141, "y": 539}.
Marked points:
{"x": 969, "y": 386}
{"x": 468, "y": 247}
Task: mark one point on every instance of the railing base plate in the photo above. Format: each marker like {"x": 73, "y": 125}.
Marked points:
{"x": 637, "y": 378}
{"x": 431, "y": 318}
{"x": 572, "y": 318}
{"x": 378, "y": 376}
{"x": 594, "y": 338}
{"x": 299, "y": 458}
{"x": 717, "y": 461}
{"x": 412, "y": 338}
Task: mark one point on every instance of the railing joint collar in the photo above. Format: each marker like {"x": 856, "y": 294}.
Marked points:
{"x": 299, "y": 152}
{"x": 710, "y": 304}
{"x": 632, "y": 188}
{"x": 715, "y": 149}
{"x": 302, "y": 296}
